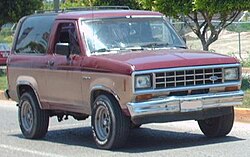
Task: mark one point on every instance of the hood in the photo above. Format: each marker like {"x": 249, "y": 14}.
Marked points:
{"x": 159, "y": 59}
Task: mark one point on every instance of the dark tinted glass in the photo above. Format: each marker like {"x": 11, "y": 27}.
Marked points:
{"x": 34, "y": 35}
{"x": 67, "y": 34}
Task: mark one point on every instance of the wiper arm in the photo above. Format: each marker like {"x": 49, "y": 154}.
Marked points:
{"x": 104, "y": 50}
{"x": 156, "y": 45}
{"x": 101, "y": 50}
{"x": 133, "y": 48}
{"x": 181, "y": 46}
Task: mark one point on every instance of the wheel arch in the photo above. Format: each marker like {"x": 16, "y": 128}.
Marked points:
{"x": 98, "y": 90}
{"x": 27, "y": 84}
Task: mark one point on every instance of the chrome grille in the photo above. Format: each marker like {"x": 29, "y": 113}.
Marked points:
{"x": 185, "y": 78}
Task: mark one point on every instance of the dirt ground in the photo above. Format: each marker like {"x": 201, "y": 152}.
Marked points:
{"x": 228, "y": 43}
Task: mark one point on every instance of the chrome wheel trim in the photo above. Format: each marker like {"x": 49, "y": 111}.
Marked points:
{"x": 102, "y": 122}
{"x": 27, "y": 116}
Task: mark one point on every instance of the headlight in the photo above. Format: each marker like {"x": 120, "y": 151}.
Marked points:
{"x": 231, "y": 74}
{"x": 142, "y": 81}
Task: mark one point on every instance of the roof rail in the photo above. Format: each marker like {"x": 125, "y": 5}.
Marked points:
{"x": 97, "y": 8}
{"x": 83, "y": 9}
{"x": 46, "y": 11}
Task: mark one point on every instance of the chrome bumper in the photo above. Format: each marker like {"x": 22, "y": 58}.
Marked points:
{"x": 188, "y": 103}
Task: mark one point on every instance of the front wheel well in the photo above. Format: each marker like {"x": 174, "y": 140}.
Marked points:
{"x": 96, "y": 93}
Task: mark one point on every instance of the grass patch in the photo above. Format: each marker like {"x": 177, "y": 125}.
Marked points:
{"x": 6, "y": 36}
{"x": 246, "y": 84}
{"x": 3, "y": 81}
{"x": 246, "y": 101}
{"x": 246, "y": 63}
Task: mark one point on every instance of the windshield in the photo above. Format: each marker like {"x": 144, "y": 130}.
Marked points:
{"x": 106, "y": 35}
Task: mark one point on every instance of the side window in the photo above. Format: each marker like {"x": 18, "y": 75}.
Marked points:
{"x": 34, "y": 35}
{"x": 66, "y": 33}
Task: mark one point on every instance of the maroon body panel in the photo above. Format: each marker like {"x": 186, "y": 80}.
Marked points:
{"x": 3, "y": 59}
{"x": 157, "y": 59}
{"x": 126, "y": 63}
{"x": 103, "y": 64}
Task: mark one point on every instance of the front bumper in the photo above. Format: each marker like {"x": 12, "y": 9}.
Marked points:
{"x": 184, "y": 104}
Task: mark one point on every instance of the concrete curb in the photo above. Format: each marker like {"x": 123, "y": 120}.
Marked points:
{"x": 242, "y": 114}
{"x": 2, "y": 97}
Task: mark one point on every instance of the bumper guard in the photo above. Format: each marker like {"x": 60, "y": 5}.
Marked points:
{"x": 183, "y": 104}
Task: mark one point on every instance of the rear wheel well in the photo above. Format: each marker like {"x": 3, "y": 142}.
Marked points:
{"x": 23, "y": 89}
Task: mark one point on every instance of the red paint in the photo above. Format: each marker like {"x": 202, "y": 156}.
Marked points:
{"x": 103, "y": 64}
{"x": 3, "y": 59}
{"x": 125, "y": 63}
{"x": 157, "y": 59}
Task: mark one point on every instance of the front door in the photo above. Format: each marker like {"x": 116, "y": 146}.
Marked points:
{"x": 64, "y": 75}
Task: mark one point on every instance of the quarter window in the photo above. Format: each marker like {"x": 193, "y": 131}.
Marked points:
{"x": 34, "y": 35}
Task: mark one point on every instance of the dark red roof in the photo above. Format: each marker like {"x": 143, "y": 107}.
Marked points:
{"x": 105, "y": 14}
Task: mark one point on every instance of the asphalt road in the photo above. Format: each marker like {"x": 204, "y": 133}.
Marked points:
{"x": 73, "y": 138}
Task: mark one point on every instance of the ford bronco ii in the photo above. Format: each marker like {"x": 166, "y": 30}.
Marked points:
{"x": 124, "y": 68}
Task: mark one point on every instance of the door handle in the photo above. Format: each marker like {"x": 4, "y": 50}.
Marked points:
{"x": 51, "y": 63}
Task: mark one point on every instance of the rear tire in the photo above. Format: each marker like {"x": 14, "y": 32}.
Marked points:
{"x": 33, "y": 121}
{"x": 110, "y": 126}
{"x": 218, "y": 126}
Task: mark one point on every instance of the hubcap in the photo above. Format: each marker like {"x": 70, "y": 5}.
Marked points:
{"x": 26, "y": 116}
{"x": 102, "y": 122}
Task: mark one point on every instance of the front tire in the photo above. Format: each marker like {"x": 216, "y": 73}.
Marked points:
{"x": 32, "y": 120}
{"x": 110, "y": 126}
{"x": 218, "y": 126}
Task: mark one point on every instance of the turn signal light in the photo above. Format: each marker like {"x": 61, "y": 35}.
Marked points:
{"x": 234, "y": 88}
{"x": 143, "y": 97}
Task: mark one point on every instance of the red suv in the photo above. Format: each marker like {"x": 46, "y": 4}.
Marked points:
{"x": 4, "y": 53}
{"x": 124, "y": 68}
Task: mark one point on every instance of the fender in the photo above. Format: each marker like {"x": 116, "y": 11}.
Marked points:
{"x": 106, "y": 89}
{"x": 29, "y": 81}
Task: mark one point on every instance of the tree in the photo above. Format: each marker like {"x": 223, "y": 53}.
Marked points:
{"x": 13, "y": 10}
{"x": 200, "y": 14}
{"x": 131, "y": 3}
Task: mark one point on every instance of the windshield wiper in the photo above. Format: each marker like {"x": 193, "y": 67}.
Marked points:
{"x": 133, "y": 48}
{"x": 102, "y": 50}
{"x": 156, "y": 45}
{"x": 180, "y": 46}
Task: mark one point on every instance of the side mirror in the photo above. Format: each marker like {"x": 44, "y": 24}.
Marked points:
{"x": 62, "y": 49}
